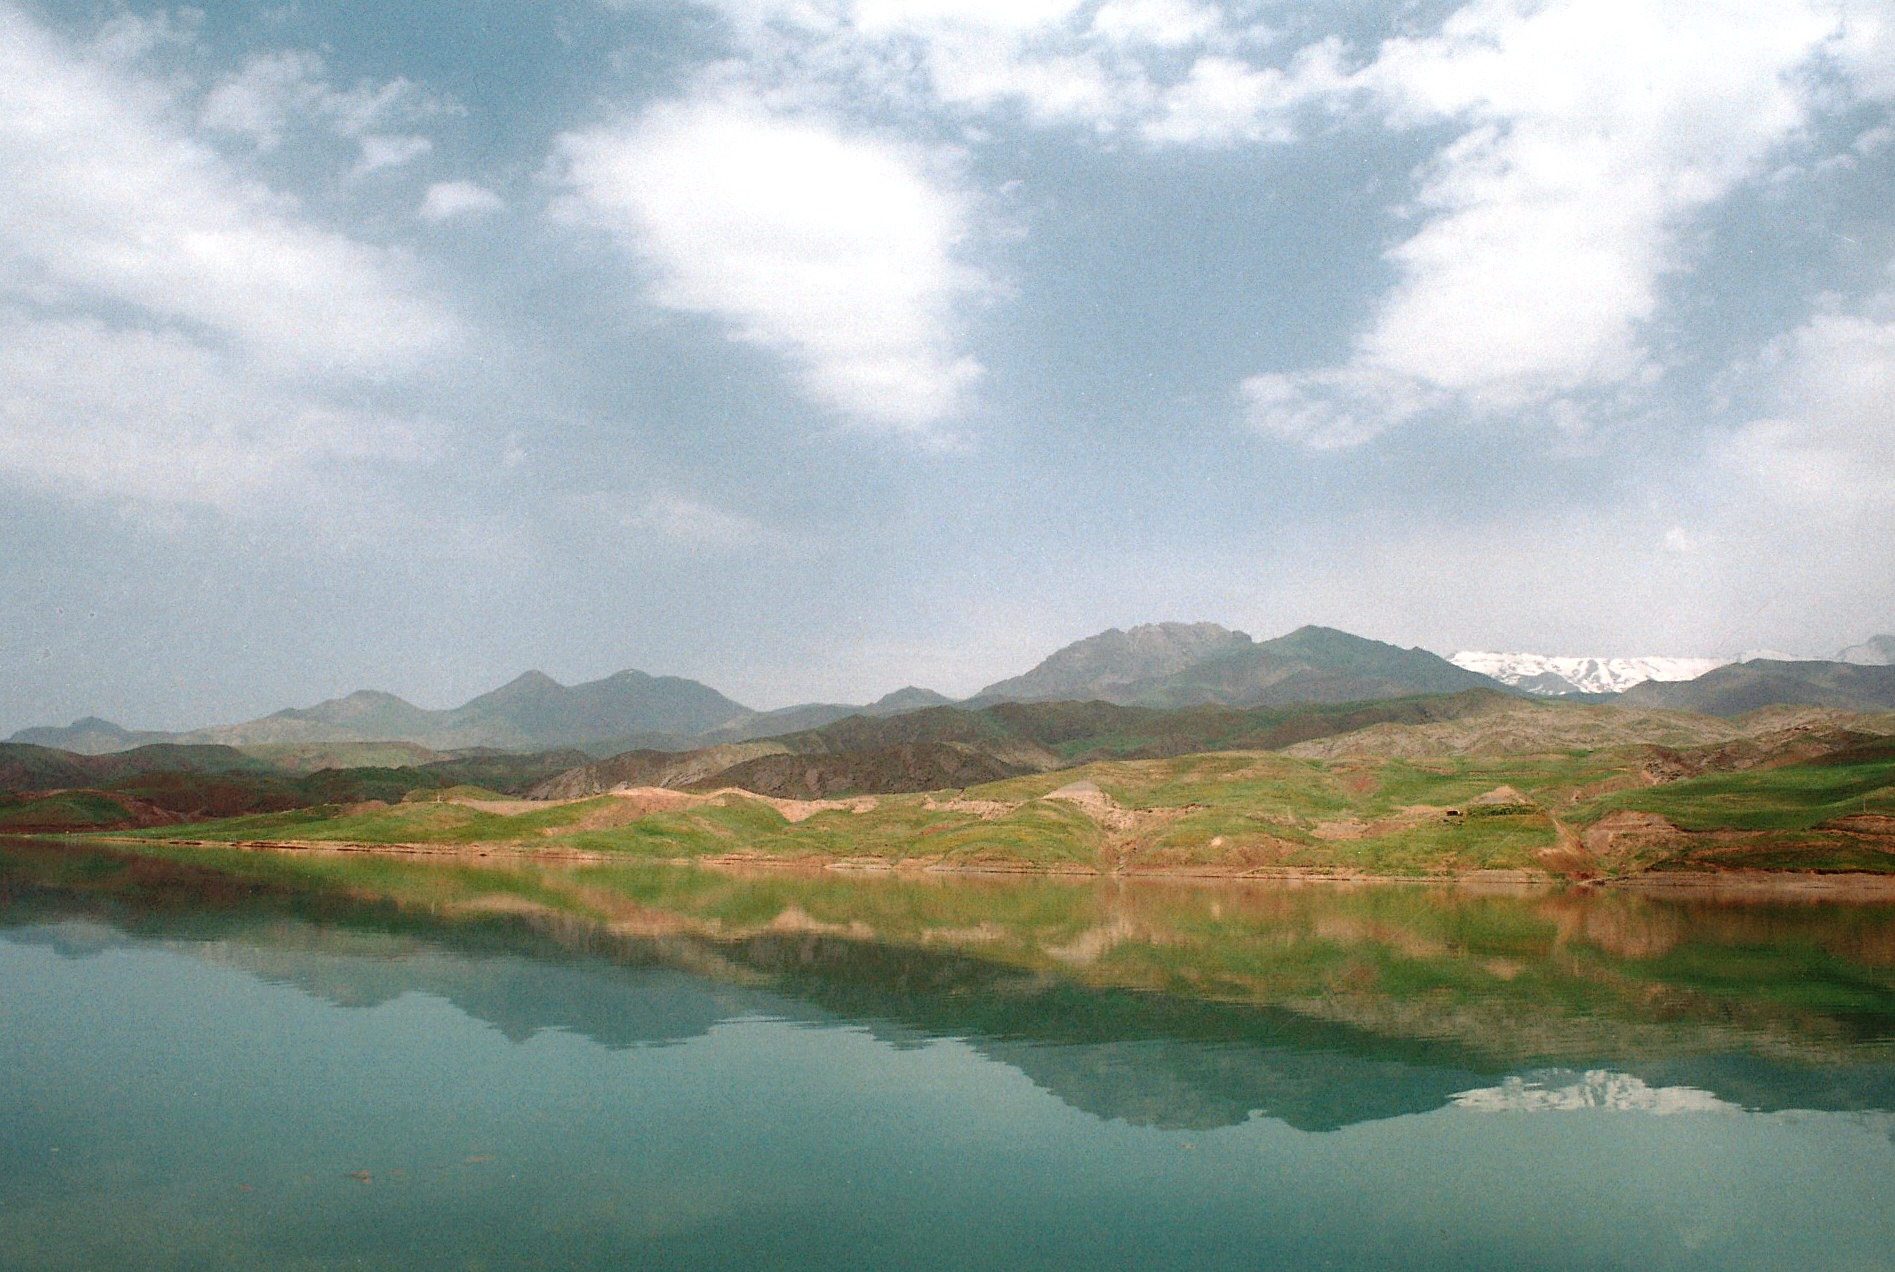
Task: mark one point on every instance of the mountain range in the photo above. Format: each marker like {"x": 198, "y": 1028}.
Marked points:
{"x": 529, "y": 713}
{"x": 1160, "y": 665}
{"x": 1155, "y": 666}
{"x": 1740, "y": 687}
{"x": 1558, "y": 676}
{"x": 963, "y": 745}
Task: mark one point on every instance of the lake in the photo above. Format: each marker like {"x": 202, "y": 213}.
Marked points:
{"x": 219, "y": 1059}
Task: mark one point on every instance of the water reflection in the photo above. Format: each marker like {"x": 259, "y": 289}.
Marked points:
{"x": 1154, "y": 1005}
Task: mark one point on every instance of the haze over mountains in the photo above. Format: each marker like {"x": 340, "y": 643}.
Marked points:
{"x": 1159, "y": 665}
{"x": 531, "y": 712}
{"x": 1155, "y": 666}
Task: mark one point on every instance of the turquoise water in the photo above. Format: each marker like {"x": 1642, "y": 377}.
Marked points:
{"x": 206, "y": 1068}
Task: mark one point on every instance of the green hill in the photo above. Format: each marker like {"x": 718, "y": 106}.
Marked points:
{"x": 1787, "y": 800}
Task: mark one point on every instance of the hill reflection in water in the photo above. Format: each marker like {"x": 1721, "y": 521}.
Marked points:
{"x": 1159, "y": 1005}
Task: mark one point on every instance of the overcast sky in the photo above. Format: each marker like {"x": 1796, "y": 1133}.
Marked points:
{"x": 814, "y": 347}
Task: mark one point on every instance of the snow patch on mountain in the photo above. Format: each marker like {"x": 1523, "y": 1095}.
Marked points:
{"x": 1554, "y": 675}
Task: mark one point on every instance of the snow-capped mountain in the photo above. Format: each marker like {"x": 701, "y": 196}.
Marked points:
{"x": 1553, "y": 675}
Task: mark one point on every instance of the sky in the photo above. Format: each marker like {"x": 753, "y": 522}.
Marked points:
{"x": 811, "y": 348}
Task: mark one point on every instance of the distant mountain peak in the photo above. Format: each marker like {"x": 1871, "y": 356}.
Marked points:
{"x": 1116, "y": 659}
{"x": 1187, "y": 664}
{"x": 1555, "y": 675}
{"x": 1313, "y": 639}
{"x": 372, "y": 698}
{"x": 534, "y": 681}
{"x": 909, "y": 698}
{"x": 88, "y": 736}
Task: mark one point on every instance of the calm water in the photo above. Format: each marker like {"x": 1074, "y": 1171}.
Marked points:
{"x": 230, "y": 1060}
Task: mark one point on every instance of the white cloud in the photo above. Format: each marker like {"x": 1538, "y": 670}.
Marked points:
{"x": 1333, "y": 409}
{"x": 834, "y": 250}
{"x": 1161, "y": 23}
{"x": 385, "y": 151}
{"x": 1224, "y": 100}
{"x": 877, "y": 16}
{"x": 1059, "y": 62}
{"x": 1865, "y": 48}
{"x": 985, "y": 68}
{"x": 448, "y": 199}
{"x": 106, "y": 202}
{"x": 693, "y": 523}
{"x": 1831, "y": 444}
{"x": 90, "y": 410}
{"x": 1594, "y": 131}
{"x": 272, "y": 91}
{"x": 127, "y": 38}
{"x": 171, "y": 332}
{"x": 277, "y": 93}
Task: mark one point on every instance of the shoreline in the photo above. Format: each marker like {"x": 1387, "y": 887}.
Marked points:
{"x": 1812, "y": 885}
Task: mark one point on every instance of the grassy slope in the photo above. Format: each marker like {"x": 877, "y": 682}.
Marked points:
{"x": 61, "y": 812}
{"x": 1228, "y": 811}
{"x": 1794, "y": 798}
{"x": 1382, "y": 814}
{"x": 55, "y": 791}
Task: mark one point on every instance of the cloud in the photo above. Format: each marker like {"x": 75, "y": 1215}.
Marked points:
{"x": 105, "y": 202}
{"x": 380, "y": 151}
{"x": 1333, "y": 409}
{"x": 929, "y": 15}
{"x": 277, "y": 93}
{"x": 1165, "y": 24}
{"x": 693, "y": 523}
{"x": 93, "y": 411}
{"x": 1864, "y": 49}
{"x": 1058, "y": 62}
{"x": 449, "y": 199}
{"x": 1830, "y": 446}
{"x": 172, "y": 332}
{"x": 267, "y": 97}
{"x": 1591, "y": 133}
{"x": 838, "y": 251}
{"x": 1224, "y": 100}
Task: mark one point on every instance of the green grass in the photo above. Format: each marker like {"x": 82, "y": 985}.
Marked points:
{"x": 65, "y": 811}
{"x": 1227, "y": 811}
{"x": 1795, "y": 797}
